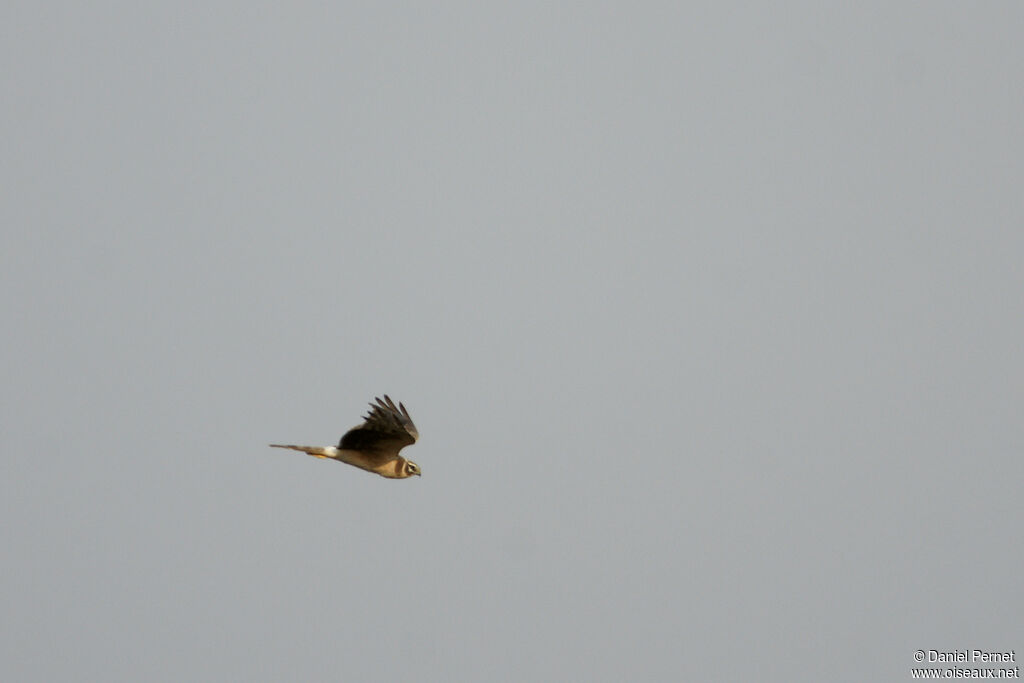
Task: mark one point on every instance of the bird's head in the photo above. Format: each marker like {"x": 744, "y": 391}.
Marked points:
{"x": 411, "y": 469}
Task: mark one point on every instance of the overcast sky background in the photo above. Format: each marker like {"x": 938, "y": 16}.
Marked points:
{"x": 711, "y": 319}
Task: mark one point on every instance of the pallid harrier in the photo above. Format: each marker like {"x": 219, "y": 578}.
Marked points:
{"x": 373, "y": 446}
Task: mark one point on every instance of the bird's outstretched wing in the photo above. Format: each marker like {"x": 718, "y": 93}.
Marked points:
{"x": 387, "y": 430}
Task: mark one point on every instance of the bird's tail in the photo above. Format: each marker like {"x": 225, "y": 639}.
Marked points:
{"x": 315, "y": 451}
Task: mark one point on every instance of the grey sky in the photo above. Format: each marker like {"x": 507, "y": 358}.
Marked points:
{"x": 710, "y": 319}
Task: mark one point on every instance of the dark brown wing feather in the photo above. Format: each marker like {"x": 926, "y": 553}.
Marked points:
{"x": 387, "y": 430}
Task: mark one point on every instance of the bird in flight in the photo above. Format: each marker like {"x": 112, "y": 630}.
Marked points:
{"x": 374, "y": 445}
